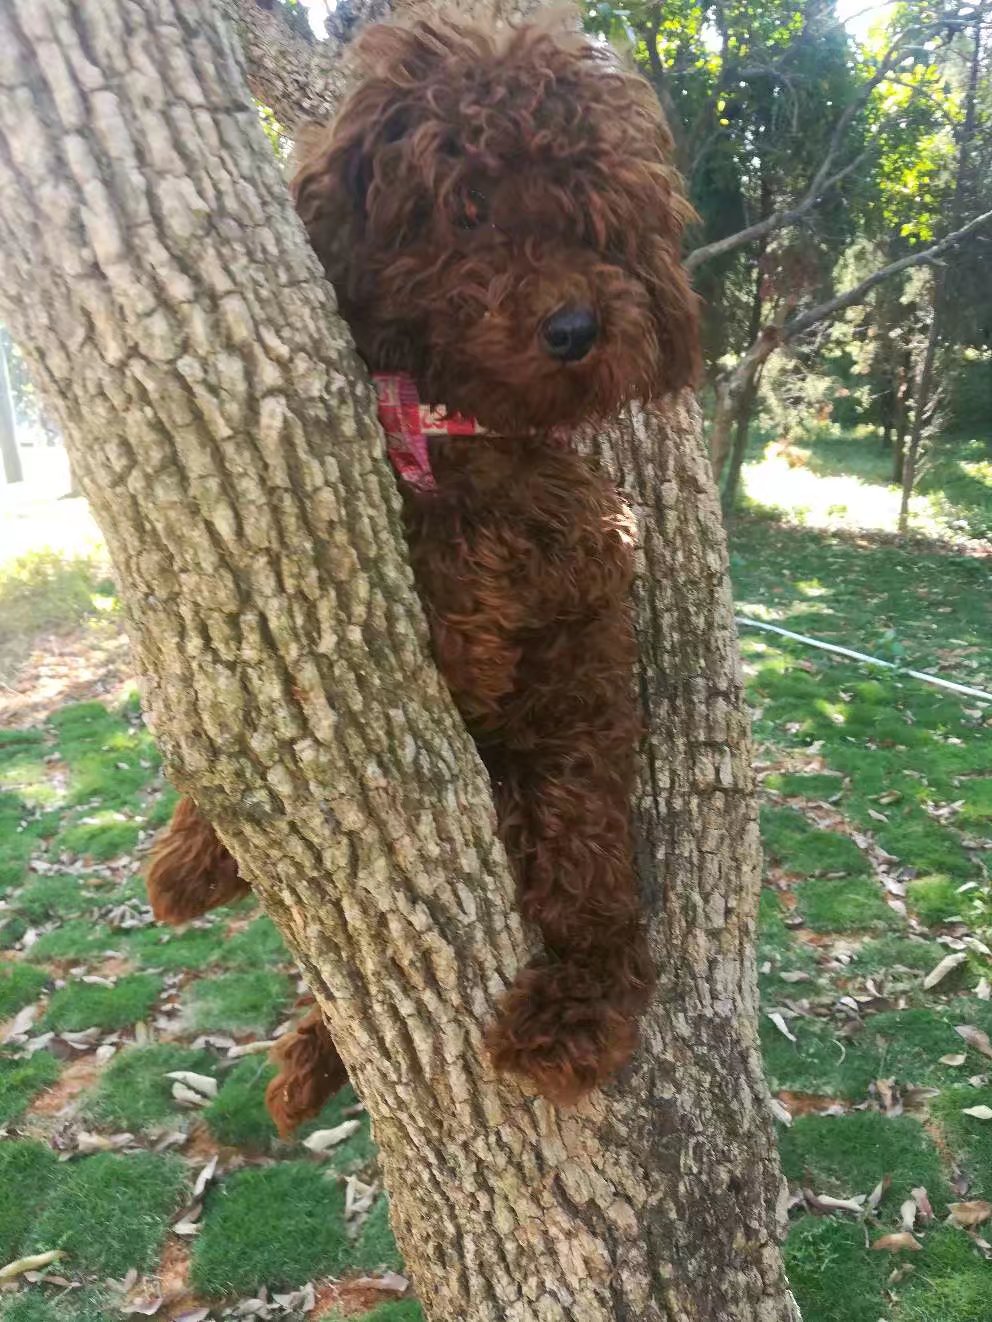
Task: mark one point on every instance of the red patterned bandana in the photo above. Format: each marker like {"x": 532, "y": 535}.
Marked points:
{"x": 408, "y": 423}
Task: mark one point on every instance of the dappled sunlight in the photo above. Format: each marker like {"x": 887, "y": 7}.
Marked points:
{"x": 815, "y": 500}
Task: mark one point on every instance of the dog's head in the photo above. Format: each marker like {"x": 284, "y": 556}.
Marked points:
{"x": 500, "y": 219}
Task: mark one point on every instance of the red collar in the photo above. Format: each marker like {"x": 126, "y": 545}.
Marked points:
{"x": 408, "y": 423}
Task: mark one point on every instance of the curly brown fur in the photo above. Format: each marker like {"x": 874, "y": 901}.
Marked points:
{"x": 311, "y": 1072}
{"x": 190, "y": 870}
{"x": 470, "y": 189}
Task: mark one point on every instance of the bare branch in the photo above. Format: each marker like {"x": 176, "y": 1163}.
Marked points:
{"x": 776, "y": 221}
{"x": 856, "y": 295}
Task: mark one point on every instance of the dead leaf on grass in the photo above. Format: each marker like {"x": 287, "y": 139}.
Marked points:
{"x": 976, "y": 1038}
{"x": 779, "y": 1021}
{"x": 898, "y": 1242}
{"x": 954, "y": 1059}
{"x": 978, "y": 1112}
{"x": 969, "y": 1214}
{"x": 947, "y": 965}
{"x": 923, "y": 1203}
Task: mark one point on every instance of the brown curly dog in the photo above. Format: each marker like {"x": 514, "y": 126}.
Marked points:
{"x": 502, "y": 227}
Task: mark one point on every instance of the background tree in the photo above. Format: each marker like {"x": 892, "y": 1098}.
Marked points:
{"x": 797, "y": 145}
{"x": 223, "y": 432}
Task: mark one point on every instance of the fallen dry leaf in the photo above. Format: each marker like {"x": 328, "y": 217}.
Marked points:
{"x": 975, "y": 1038}
{"x": 923, "y": 1203}
{"x": 200, "y": 1083}
{"x": 897, "y": 1242}
{"x": 323, "y": 1139}
{"x": 947, "y": 965}
{"x": 22, "y": 1265}
{"x": 969, "y": 1214}
{"x": 954, "y": 1059}
{"x": 878, "y": 1193}
{"x": 908, "y": 1213}
{"x": 779, "y": 1022}
{"x": 979, "y": 1112}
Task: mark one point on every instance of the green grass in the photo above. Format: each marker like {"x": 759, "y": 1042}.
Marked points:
{"x": 54, "y": 897}
{"x": 844, "y": 904}
{"x": 100, "y": 837}
{"x": 239, "y": 1002}
{"x": 935, "y": 900}
{"x": 300, "y": 1236}
{"x": 845, "y": 1155}
{"x": 38, "y": 1304}
{"x": 78, "y": 939}
{"x": 833, "y": 1276}
{"x": 970, "y": 1138}
{"x": 126, "y": 1200}
{"x": 82, "y": 1005}
{"x": 800, "y": 848}
{"x": 237, "y": 1115}
{"x": 162, "y": 948}
{"x": 26, "y": 1171}
{"x": 21, "y": 1079}
{"x": 376, "y": 1247}
{"x": 20, "y": 984}
{"x": 133, "y": 1092}
{"x": 258, "y": 946}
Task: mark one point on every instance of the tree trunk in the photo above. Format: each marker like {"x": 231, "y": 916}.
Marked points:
{"x": 925, "y": 385}
{"x": 749, "y": 395}
{"x": 12, "y": 470}
{"x": 222, "y": 429}
{"x": 732, "y": 389}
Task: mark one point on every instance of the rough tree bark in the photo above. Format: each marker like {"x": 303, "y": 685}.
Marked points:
{"x": 222, "y": 428}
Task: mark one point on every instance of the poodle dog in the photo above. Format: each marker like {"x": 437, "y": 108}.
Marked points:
{"x": 502, "y": 226}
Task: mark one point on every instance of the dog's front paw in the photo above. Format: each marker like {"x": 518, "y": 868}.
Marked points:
{"x": 557, "y": 1027}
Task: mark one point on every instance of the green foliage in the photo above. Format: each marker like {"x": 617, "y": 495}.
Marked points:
{"x": 21, "y": 1079}
{"x": 935, "y": 899}
{"x": 78, "y": 939}
{"x": 403, "y": 1310}
{"x": 376, "y": 1248}
{"x": 52, "y": 897}
{"x": 38, "y": 1304}
{"x": 258, "y": 946}
{"x": 239, "y": 1001}
{"x": 26, "y": 1171}
{"x": 278, "y": 1227}
{"x": 237, "y": 1115}
{"x": 82, "y": 1005}
{"x": 45, "y": 590}
{"x": 134, "y": 1093}
{"x": 844, "y": 904}
{"x": 834, "y": 1278}
{"x": 100, "y": 837}
{"x": 163, "y": 948}
{"x": 128, "y": 1199}
{"x": 844, "y": 1155}
{"x": 800, "y": 848}
{"x": 20, "y": 984}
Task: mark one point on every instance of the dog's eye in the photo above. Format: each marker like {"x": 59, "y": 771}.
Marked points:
{"x": 473, "y": 211}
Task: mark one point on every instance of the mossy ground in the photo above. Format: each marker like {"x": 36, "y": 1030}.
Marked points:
{"x": 867, "y": 777}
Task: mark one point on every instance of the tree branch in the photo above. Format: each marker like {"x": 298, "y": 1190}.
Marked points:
{"x": 822, "y": 181}
{"x": 856, "y": 295}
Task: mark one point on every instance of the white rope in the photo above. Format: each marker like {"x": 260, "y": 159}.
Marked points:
{"x": 871, "y": 660}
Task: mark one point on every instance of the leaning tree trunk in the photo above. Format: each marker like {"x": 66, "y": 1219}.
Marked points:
{"x": 223, "y": 430}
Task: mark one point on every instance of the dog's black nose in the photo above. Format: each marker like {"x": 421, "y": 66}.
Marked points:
{"x": 569, "y": 333}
